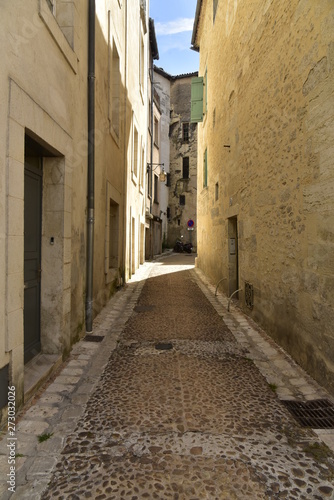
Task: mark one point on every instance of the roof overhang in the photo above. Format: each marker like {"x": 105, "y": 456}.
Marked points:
{"x": 153, "y": 40}
{"x": 195, "y": 45}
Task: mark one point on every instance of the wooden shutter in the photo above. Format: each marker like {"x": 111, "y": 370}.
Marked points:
{"x": 196, "y": 99}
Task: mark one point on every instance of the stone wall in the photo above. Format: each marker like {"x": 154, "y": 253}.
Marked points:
{"x": 268, "y": 131}
{"x": 182, "y": 190}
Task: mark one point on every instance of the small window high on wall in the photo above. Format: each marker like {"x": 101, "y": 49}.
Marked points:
{"x": 113, "y": 234}
{"x": 185, "y": 167}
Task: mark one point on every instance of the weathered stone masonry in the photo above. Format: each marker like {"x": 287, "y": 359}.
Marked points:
{"x": 268, "y": 131}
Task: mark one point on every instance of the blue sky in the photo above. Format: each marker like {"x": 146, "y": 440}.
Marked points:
{"x": 173, "y": 20}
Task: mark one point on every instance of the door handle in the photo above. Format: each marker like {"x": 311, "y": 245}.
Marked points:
{"x": 39, "y": 273}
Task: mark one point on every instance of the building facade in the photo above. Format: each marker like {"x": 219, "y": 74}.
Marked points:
{"x": 264, "y": 101}
{"x": 180, "y": 140}
{"x": 55, "y": 188}
{"x": 154, "y": 168}
{"x": 162, "y": 88}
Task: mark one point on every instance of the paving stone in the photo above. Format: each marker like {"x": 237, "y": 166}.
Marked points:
{"x": 31, "y": 427}
{"x": 195, "y": 421}
{"x": 41, "y": 466}
{"x": 41, "y": 411}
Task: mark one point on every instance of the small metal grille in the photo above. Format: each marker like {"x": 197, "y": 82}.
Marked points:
{"x": 164, "y": 346}
{"x": 94, "y": 338}
{"x": 140, "y": 309}
{"x": 249, "y": 295}
{"x": 317, "y": 414}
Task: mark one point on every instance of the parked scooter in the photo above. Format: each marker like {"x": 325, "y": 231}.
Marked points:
{"x": 183, "y": 247}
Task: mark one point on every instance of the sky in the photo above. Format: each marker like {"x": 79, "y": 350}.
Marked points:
{"x": 173, "y": 21}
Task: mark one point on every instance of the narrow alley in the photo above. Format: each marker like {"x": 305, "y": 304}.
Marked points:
{"x": 172, "y": 404}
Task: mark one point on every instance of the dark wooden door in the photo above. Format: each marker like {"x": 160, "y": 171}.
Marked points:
{"x": 32, "y": 256}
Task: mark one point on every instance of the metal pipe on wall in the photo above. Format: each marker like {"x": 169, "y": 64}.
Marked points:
{"x": 90, "y": 166}
{"x": 151, "y": 156}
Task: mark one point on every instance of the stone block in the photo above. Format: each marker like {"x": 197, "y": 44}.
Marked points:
{"x": 15, "y": 292}
{"x": 15, "y": 329}
{"x": 15, "y": 262}
{"x": 15, "y": 178}
{"x": 16, "y": 141}
{"x": 15, "y": 216}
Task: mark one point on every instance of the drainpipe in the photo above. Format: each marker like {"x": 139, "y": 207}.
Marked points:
{"x": 91, "y": 165}
{"x": 151, "y": 156}
{"x": 125, "y": 163}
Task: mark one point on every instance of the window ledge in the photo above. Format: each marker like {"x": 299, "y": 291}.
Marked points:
{"x": 142, "y": 94}
{"x": 57, "y": 34}
{"x": 114, "y": 135}
{"x": 134, "y": 178}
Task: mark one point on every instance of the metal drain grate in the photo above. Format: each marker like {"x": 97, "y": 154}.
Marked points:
{"x": 164, "y": 346}
{"x": 94, "y": 338}
{"x": 140, "y": 309}
{"x": 317, "y": 414}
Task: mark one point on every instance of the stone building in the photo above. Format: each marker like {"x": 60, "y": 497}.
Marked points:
{"x": 175, "y": 92}
{"x": 265, "y": 104}
{"x": 72, "y": 177}
{"x": 155, "y": 171}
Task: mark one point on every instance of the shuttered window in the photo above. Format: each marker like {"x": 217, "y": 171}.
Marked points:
{"x": 197, "y": 100}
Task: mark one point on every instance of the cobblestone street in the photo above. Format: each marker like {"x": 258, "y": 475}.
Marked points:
{"x": 181, "y": 400}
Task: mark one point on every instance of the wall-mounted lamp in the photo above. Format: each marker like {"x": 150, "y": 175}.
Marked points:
{"x": 162, "y": 175}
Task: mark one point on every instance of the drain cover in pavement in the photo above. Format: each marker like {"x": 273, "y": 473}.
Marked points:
{"x": 140, "y": 309}
{"x": 94, "y": 338}
{"x": 317, "y": 414}
{"x": 164, "y": 346}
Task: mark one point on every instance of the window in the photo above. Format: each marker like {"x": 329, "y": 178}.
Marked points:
{"x": 156, "y": 131}
{"x": 185, "y": 132}
{"x": 185, "y": 167}
{"x": 197, "y": 99}
{"x": 216, "y": 191}
{"x": 52, "y": 6}
{"x": 156, "y": 189}
{"x": 215, "y": 5}
{"x": 142, "y": 166}
{"x": 114, "y": 92}
{"x": 149, "y": 121}
{"x": 113, "y": 235}
{"x": 168, "y": 212}
{"x": 168, "y": 180}
{"x": 182, "y": 199}
{"x": 141, "y": 62}
{"x": 135, "y": 152}
{"x": 64, "y": 14}
{"x": 205, "y": 169}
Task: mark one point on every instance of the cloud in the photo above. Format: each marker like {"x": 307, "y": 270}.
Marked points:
{"x": 176, "y": 26}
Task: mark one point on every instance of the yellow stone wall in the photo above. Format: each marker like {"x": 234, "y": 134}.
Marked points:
{"x": 270, "y": 99}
